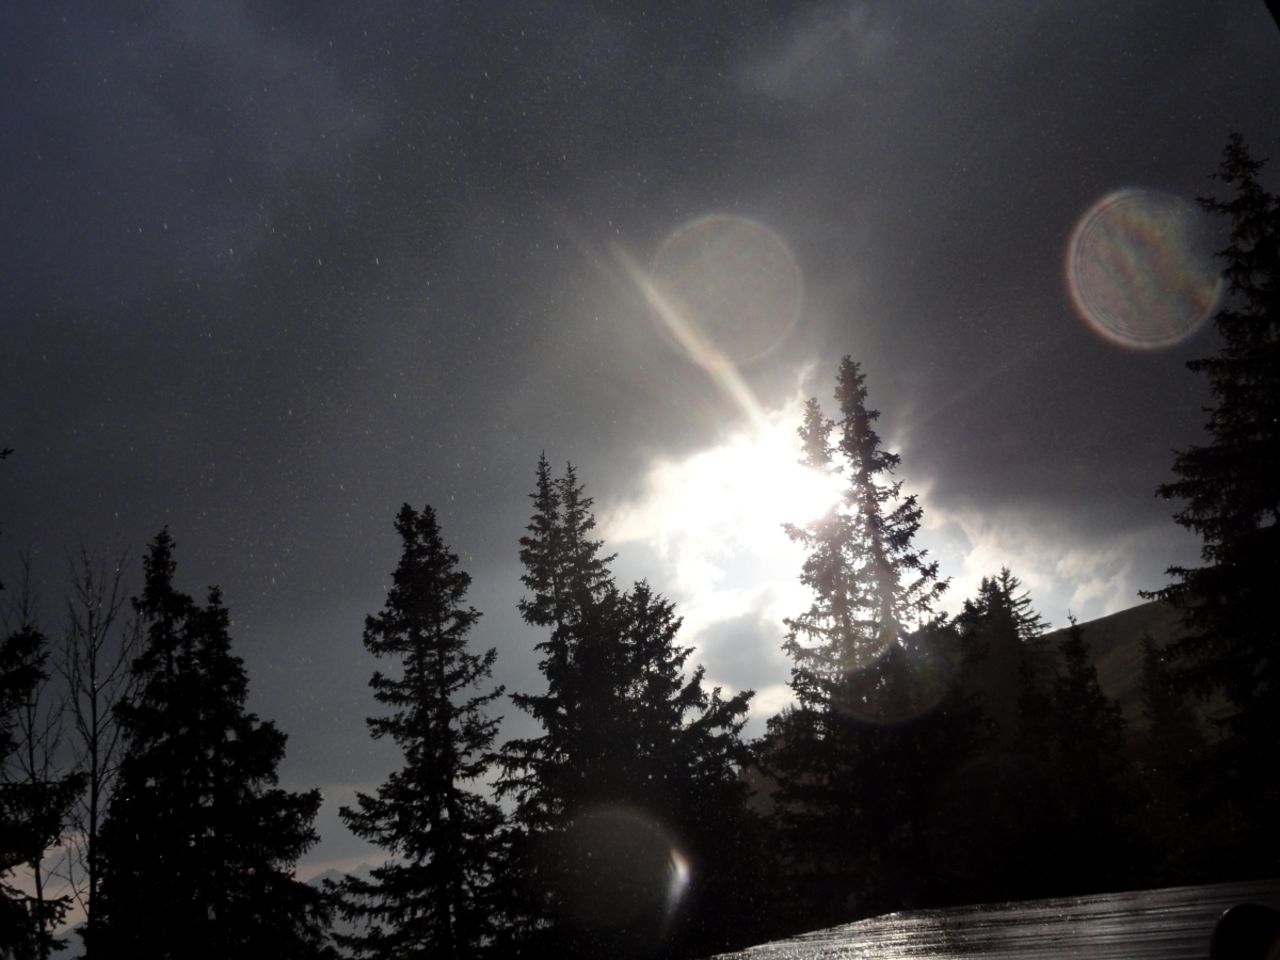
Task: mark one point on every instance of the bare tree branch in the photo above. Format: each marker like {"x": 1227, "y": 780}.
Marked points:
{"x": 97, "y": 655}
{"x": 36, "y": 763}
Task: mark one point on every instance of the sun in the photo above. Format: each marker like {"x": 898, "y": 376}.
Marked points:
{"x": 745, "y": 488}
{"x": 735, "y": 496}
{"x": 716, "y": 521}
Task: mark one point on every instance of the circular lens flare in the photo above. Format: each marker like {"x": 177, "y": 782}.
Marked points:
{"x": 734, "y": 288}
{"x": 908, "y": 678}
{"x": 1138, "y": 269}
{"x": 618, "y": 875}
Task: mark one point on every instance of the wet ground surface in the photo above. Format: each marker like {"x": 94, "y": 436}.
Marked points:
{"x": 1169, "y": 924}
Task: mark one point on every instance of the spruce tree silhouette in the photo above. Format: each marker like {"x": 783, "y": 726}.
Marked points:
{"x": 199, "y": 844}
{"x": 436, "y": 897}
{"x": 1000, "y": 806}
{"x": 632, "y": 811}
{"x": 851, "y": 758}
{"x": 1230, "y": 494}
{"x": 1094, "y": 840}
{"x": 1171, "y": 748}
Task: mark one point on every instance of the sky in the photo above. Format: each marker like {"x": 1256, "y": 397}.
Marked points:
{"x": 273, "y": 269}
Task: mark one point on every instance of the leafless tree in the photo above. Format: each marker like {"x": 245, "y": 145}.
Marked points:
{"x": 98, "y": 650}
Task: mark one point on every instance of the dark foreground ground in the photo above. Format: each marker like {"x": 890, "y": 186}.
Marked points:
{"x": 1168, "y": 924}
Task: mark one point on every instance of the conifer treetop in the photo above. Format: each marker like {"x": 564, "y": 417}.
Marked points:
{"x": 870, "y": 582}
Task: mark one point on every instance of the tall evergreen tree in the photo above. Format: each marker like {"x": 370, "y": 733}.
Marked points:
{"x": 631, "y": 745}
{"x": 199, "y": 844}
{"x": 1230, "y": 491}
{"x": 34, "y": 799}
{"x": 999, "y": 598}
{"x": 435, "y": 898}
{"x": 1170, "y": 750}
{"x": 1004, "y": 660}
{"x": 1005, "y": 795}
{"x": 852, "y": 758}
{"x": 571, "y": 594}
{"x": 871, "y": 584}
{"x": 1094, "y": 840}
{"x": 1018, "y": 671}
{"x": 684, "y": 759}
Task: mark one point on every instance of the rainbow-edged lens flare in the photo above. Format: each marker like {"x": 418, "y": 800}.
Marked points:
{"x": 618, "y": 876}
{"x": 1139, "y": 269}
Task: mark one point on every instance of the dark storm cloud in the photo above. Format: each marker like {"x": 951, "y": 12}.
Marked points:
{"x": 271, "y": 270}
{"x": 972, "y": 137}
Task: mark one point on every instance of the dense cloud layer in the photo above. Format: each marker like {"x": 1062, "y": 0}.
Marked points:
{"x": 271, "y": 271}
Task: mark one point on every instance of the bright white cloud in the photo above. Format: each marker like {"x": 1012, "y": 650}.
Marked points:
{"x": 1067, "y": 568}
{"x": 716, "y": 520}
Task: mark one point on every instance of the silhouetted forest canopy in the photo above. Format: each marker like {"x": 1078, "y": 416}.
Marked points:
{"x": 924, "y": 760}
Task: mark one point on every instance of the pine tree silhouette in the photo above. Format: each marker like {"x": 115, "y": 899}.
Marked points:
{"x": 631, "y": 791}
{"x": 199, "y": 844}
{"x": 436, "y": 896}
{"x": 850, "y": 760}
{"x": 1230, "y": 491}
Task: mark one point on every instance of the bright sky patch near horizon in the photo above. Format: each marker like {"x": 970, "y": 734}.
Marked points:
{"x": 715, "y": 521}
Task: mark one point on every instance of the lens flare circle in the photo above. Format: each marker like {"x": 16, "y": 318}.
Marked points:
{"x": 734, "y": 288}
{"x": 617, "y": 871}
{"x": 1138, "y": 269}
{"x": 904, "y": 679}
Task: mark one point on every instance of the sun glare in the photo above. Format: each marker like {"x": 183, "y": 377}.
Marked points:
{"x": 751, "y": 485}
{"x": 716, "y": 520}
{"x": 733, "y": 497}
